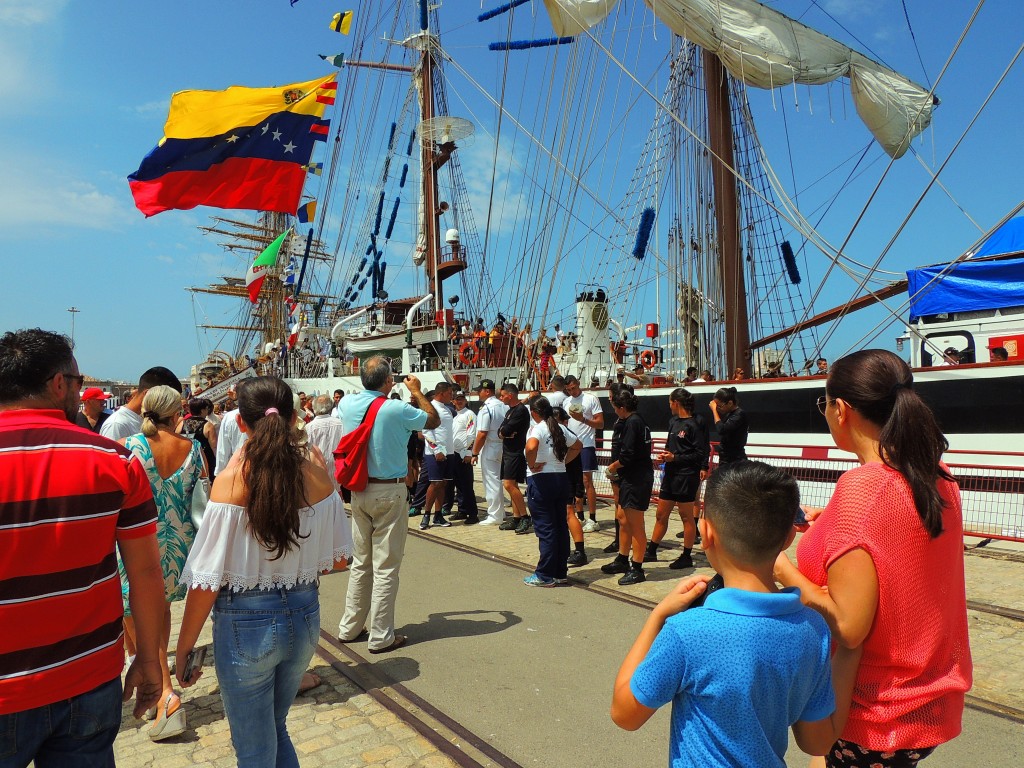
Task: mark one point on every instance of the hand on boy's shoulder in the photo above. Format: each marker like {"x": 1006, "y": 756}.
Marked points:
{"x": 682, "y": 595}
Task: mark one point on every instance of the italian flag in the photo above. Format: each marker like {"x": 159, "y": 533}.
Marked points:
{"x": 258, "y": 271}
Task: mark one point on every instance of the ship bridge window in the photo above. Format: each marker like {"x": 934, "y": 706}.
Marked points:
{"x": 934, "y": 344}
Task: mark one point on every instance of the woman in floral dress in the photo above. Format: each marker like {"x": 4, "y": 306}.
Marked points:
{"x": 174, "y": 464}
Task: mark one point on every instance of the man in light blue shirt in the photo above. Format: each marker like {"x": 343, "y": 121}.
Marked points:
{"x": 379, "y": 520}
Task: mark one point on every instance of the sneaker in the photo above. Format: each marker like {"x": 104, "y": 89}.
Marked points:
{"x": 696, "y": 539}
{"x": 681, "y": 562}
{"x": 440, "y": 522}
{"x": 681, "y": 535}
{"x": 471, "y": 521}
{"x": 613, "y": 547}
{"x": 536, "y": 580}
{"x": 635, "y": 576}
{"x": 510, "y": 524}
{"x": 591, "y": 526}
{"x": 618, "y": 565}
{"x": 446, "y": 511}
{"x": 425, "y": 523}
{"x": 651, "y": 556}
{"x": 561, "y": 582}
{"x": 525, "y": 525}
{"x": 415, "y": 511}
{"x": 577, "y": 558}
{"x": 489, "y": 521}
{"x": 460, "y": 515}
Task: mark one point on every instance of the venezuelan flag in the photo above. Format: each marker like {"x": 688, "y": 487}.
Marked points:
{"x": 244, "y": 148}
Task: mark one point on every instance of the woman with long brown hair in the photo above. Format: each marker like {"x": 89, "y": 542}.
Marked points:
{"x": 883, "y": 563}
{"x": 549, "y": 446}
{"x": 274, "y": 523}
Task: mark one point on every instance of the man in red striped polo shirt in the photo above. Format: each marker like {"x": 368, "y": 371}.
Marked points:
{"x": 66, "y": 496}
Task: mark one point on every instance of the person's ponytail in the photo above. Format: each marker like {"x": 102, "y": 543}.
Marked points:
{"x": 541, "y": 406}
{"x": 912, "y": 444}
{"x": 879, "y": 385}
{"x": 272, "y": 468}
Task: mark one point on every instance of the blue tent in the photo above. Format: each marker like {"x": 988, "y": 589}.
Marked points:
{"x": 973, "y": 285}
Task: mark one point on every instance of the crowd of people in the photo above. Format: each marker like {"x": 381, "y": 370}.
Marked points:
{"x": 121, "y": 507}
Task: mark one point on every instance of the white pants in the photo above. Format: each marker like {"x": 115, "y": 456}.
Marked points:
{"x": 380, "y": 522}
{"x": 490, "y": 471}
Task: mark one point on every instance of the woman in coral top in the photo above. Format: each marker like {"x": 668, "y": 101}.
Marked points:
{"x": 883, "y": 563}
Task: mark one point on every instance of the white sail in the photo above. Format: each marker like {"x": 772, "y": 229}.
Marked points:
{"x": 767, "y": 49}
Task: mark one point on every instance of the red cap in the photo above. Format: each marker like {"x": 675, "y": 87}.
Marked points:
{"x": 94, "y": 393}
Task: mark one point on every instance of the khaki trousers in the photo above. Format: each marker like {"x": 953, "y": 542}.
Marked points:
{"x": 380, "y": 524}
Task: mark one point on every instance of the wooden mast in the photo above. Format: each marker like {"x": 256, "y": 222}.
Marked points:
{"x": 720, "y": 135}
{"x": 429, "y": 171}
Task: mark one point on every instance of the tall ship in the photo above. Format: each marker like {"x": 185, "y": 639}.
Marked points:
{"x": 587, "y": 210}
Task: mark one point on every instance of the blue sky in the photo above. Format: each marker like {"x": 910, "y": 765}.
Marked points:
{"x": 85, "y": 89}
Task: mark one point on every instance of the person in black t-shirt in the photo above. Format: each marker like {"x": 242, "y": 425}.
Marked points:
{"x": 635, "y": 471}
{"x": 513, "y": 457}
{"x": 686, "y": 462}
{"x": 732, "y": 426}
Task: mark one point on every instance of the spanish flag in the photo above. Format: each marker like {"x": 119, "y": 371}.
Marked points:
{"x": 342, "y": 22}
{"x": 244, "y": 148}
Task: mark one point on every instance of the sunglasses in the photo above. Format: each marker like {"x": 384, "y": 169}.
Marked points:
{"x": 78, "y": 378}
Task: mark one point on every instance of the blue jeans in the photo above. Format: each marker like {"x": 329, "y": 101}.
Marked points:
{"x": 73, "y": 733}
{"x": 263, "y": 640}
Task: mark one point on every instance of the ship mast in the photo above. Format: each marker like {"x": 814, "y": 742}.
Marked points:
{"x": 720, "y": 134}
{"x": 434, "y": 154}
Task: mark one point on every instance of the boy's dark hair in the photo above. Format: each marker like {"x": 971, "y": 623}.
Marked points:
{"x": 752, "y": 506}
{"x": 511, "y": 388}
{"x": 158, "y": 376}
{"x": 28, "y": 359}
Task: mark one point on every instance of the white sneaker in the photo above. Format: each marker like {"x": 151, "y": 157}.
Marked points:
{"x": 591, "y": 526}
{"x": 489, "y": 521}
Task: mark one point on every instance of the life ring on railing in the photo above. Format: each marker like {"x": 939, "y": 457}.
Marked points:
{"x": 647, "y": 359}
{"x": 469, "y": 353}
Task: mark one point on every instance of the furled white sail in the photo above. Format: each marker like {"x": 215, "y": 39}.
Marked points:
{"x": 767, "y": 49}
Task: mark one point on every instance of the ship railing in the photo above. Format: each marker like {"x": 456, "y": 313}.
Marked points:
{"x": 991, "y": 492}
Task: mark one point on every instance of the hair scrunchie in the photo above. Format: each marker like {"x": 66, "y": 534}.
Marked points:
{"x": 270, "y": 411}
{"x": 152, "y": 416}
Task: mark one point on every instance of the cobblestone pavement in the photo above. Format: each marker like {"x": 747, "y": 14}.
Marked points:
{"x": 335, "y": 725}
{"x": 339, "y": 725}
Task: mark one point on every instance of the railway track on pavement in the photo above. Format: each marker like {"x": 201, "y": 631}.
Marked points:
{"x": 980, "y": 703}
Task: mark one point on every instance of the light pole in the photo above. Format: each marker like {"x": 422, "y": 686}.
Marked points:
{"x": 74, "y": 311}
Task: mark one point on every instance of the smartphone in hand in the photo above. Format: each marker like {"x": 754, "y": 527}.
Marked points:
{"x": 193, "y": 662}
{"x": 716, "y": 582}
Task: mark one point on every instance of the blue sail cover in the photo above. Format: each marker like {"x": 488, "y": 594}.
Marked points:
{"x": 967, "y": 286}
{"x": 973, "y": 285}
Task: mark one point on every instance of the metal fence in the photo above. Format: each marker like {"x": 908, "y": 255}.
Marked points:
{"x": 992, "y": 493}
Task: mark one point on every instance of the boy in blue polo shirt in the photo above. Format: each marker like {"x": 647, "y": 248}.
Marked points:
{"x": 752, "y": 661}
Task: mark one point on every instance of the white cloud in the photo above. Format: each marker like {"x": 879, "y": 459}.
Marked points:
{"x": 34, "y": 196}
{"x": 27, "y": 13}
{"x": 159, "y": 107}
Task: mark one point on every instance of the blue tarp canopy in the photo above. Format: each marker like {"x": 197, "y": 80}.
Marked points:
{"x": 973, "y": 285}
{"x": 1009, "y": 238}
{"x": 968, "y": 286}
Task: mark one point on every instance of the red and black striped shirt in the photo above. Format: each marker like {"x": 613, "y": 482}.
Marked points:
{"x": 66, "y": 496}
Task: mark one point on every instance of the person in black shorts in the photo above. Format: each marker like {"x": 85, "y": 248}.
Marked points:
{"x": 574, "y": 471}
{"x": 635, "y": 471}
{"x": 732, "y": 426}
{"x": 686, "y": 462}
{"x": 513, "y": 458}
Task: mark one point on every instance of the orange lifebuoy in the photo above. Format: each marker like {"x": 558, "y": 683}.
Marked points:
{"x": 647, "y": 359}
{"x": 469, "y": 353}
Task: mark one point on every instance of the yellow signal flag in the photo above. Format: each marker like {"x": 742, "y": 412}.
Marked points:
{"x": 342, "y": 22}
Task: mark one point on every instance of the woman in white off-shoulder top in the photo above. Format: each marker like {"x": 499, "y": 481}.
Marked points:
{"x": 274, "y": 523}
